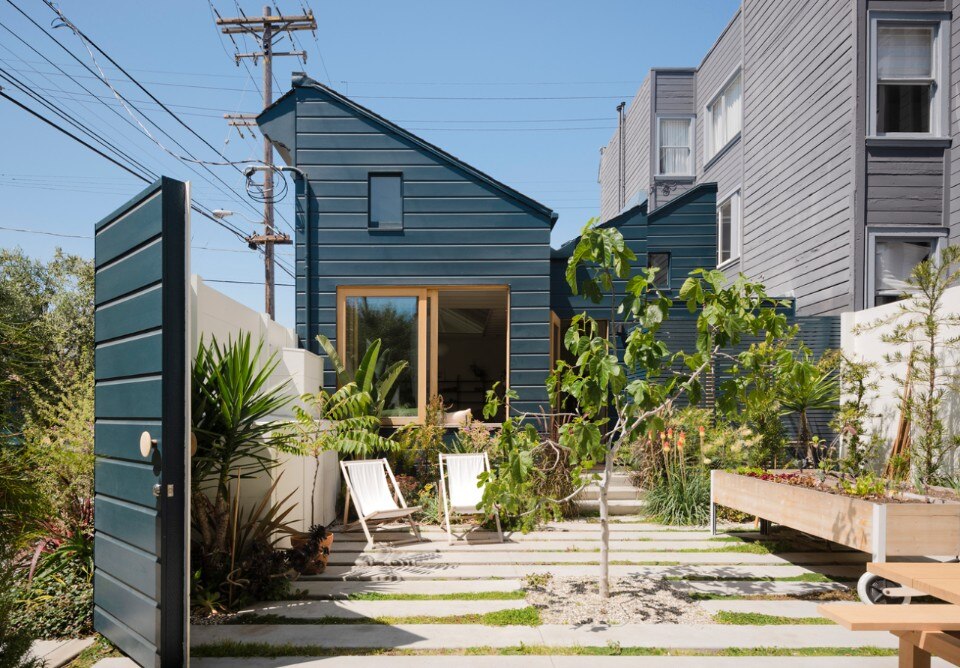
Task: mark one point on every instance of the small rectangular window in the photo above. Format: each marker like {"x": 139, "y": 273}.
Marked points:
{"x": 676, "y": 148}
{"x": 893, "y": 261}
{"x": 728, "y": 229}
{"x": 724, "y": 118}
{"x": 906, "y": 77}
{"x": 386, "y": 202}
{"x": 660, "y": 262}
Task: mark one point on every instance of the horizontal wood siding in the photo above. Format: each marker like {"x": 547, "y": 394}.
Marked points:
{"x": 457, "y": 230}
{"x": 675, "y": 92}
{"x": 636, "y": 156}
{"x": 904, "y": 187}
{"x": 726, "y": 168}
{"x": 798, "y": 152}
{"x": 953, "y": 153}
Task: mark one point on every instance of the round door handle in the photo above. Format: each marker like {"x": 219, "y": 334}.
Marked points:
{"x": 147, "y": 444}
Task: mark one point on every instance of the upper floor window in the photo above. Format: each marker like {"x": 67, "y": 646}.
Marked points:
{"x": 724, "y": 117}
{"x": 906, "y": 72}
{"x": 675, "y": 142}
{"x": 728, "y": 229}
{"x": 386, "y": 201}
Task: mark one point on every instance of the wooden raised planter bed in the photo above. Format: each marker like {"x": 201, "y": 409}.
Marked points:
{"x": 883, "y": 530}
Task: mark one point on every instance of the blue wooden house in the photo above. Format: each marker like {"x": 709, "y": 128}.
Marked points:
{"x": 450, "y": 268}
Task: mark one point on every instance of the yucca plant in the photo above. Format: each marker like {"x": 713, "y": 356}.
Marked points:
{"x": 805, "y": 386}
{"x": 233, "y": 411}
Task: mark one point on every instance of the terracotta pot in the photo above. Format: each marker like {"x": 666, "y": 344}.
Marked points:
{"x": 316, "y": 563}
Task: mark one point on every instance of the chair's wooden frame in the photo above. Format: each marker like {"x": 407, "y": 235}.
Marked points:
{"x": 448, "y": 508}
{"x": 383, "y": 516}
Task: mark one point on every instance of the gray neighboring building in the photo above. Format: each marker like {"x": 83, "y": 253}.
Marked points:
{"x": 827, "y": 127}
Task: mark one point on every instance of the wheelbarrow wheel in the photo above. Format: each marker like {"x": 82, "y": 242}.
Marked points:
{"x": 870, "y": 589}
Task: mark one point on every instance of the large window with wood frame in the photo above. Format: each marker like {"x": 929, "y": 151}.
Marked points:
{"x": 455, "y": 340}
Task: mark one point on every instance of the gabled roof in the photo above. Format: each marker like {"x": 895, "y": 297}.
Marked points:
{"x": 300, "y": 80}
{"x": 566, "y": 250}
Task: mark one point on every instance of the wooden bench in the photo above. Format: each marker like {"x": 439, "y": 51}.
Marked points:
{"x": 923, "y": 630}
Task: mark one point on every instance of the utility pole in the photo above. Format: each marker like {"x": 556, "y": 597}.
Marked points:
{"x": 265, "y": 30}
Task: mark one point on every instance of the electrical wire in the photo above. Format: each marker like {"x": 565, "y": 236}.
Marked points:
{"x": 155, "y": 124}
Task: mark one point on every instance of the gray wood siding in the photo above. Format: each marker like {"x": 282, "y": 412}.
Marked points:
{"x": 457, "y": 230}
{"x": 675, "y": 92}
{"x": 904, "y": 189}
{"x": 726, "y": 168}
{"x": 953, "y": 154}
{"x": 637, "y": 158}
{"x": 799, "y": 162}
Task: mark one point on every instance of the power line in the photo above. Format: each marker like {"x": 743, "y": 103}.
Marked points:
{"x": 73, "y": 136}
{"x": 49, "y": 234}
{"x": 155, "y": 124}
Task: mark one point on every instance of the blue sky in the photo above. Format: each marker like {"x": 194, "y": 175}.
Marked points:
{"x": 379, "y": 52}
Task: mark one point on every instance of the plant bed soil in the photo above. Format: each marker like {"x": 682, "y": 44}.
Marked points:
{"x": 831, "y": 485}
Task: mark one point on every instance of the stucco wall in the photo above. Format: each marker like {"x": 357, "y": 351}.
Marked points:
{"x": 862, "y": 339}
{"x": 215, "y": 314}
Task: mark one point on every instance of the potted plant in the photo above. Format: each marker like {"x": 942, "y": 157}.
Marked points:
{"x": 310, "y": 551}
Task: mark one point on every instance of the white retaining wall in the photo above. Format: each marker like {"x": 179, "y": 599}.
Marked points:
{"x": 867, "y": 345}
{"x": 215, "y": 314}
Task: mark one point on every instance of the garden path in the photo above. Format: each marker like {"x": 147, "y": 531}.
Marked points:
{"x": 433, "y": 604}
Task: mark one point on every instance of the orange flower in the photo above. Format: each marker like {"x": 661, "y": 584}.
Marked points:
{"x": 670, "y": 433}
{"x": 681, "y": 440}
{"x": 702, "y": 429}
{"x": 663, "y": 436}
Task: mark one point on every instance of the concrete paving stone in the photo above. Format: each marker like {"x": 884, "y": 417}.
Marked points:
{"x": 433, "y": 569}
{"x": 371, "y": 609}
{"x": 745, "y": 588}
{"x": 427, "y": 661}
{"x": 338, "y": 588}
{"x": 358, "y": 544}
{"x": 56, "y": 653}
{"x": 616, "y": 508}
{"x": 124, "y": 662}
{"x": 776, "y": 608}
{"x": 574, "y": 557}
{"x": 454, "y": 636}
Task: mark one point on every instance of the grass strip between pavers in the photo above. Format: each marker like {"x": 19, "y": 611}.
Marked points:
{"x": 515, "y": 595}
{"x": 239, "y": 649}
{"x": 759, "y": 619}
{"x": 529, "y": 616}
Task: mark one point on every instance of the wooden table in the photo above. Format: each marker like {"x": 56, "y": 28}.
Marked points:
{"x": 936, "y": 635}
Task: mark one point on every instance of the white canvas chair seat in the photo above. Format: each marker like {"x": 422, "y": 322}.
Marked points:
{"x": 369, "y": 489}
{"x": 459, "y": 485}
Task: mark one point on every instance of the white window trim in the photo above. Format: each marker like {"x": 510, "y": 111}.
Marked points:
{"x": 939, "y": 106}
{"x": 735, "y": 252}
{"x": 691, "y": 135}
{"x": 939, "y": 234}
{"x": 708, "y": 125}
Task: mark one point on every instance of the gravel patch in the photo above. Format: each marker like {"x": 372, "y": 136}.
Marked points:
{"x": 633, "y": 600}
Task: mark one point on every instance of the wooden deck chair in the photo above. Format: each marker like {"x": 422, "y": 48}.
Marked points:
{"x": 368, "y": 488}
{"x": 459, "y": 488}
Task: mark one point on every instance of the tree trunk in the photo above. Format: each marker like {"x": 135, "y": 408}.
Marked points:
{"x": 605, "y": 526}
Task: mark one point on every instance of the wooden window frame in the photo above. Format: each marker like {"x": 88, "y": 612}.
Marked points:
{"x": 735, "y": 199}
{"x": 939, "y": 23}
{"x": 428, "y": 330}
{"x": 721, "y": 98}
{"x": 691, "y": 142}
